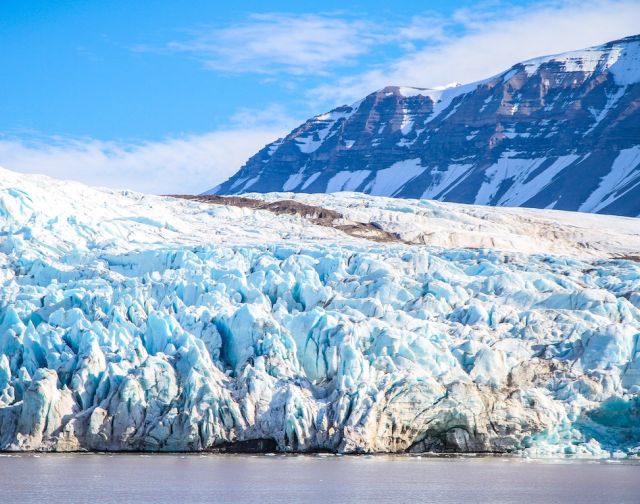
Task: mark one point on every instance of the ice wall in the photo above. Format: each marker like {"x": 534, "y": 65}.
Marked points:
{"x": 343, "y": 345}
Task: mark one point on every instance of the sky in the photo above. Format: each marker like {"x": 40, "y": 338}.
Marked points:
{"x": 173, "y": 97}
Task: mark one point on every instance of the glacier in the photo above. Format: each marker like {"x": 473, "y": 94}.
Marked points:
{"x": 138, "y": 322}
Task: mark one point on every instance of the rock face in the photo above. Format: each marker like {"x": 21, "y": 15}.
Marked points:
{"x": 558, "y": 132}
{"x": 130, "y": 322}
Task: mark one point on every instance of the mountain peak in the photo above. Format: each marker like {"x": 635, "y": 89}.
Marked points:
{"x": 559, "y": 131}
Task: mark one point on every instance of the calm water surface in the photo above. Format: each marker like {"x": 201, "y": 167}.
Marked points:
{"x": 311, "y": 479}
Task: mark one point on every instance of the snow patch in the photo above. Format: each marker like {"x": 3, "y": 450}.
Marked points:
{"x": 621, "y": 59}
{"x": 347, "y": 181}
{"x": 389, "y": 180}
{"x": 624, "y": 172}
{"x": 525, "y": 187}
{"x": 445, "y": 180}
{"x": 310, "y": 180}
{"x": 293, "y": 181}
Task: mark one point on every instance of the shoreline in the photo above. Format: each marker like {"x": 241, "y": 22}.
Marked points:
{"x": 519, "y": 457}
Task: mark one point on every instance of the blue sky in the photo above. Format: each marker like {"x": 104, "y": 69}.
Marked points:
{"x": 174, "y": 96}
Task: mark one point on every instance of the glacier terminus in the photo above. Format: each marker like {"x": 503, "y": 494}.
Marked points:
{"x": 136, "y": 322}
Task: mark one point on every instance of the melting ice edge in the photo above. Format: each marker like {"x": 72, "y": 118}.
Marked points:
{"x": 118, "y": 333}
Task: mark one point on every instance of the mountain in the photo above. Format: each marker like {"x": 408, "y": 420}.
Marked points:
{"x": 559, "y": 132}
{"x": 347, "y": 322}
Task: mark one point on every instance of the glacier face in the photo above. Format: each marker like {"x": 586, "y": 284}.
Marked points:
{"x": 122, "y": 330}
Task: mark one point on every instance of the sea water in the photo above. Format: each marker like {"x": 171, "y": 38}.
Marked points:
{"x": 193, "y": 478}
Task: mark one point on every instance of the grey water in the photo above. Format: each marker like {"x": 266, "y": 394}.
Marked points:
{"x": 186, "y": 479}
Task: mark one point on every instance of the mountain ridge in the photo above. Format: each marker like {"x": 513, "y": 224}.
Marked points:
{"x": 560, "y": 131}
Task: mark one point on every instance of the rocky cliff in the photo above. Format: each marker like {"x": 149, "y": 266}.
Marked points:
{"x": 558, "y": 132}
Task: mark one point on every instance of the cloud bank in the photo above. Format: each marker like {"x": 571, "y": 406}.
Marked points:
{"x": 188, "y": 165}
{"x": 477, "y": 43}
{"x": 280, "y": 43}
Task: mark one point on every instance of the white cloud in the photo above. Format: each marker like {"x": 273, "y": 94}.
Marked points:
{"x": 187, "y": 164}
{"x": 273, "y": 116}
{"x": 274, "y": 43}
{"x": 191, "y": 164}
{"x": 489, "y": 41}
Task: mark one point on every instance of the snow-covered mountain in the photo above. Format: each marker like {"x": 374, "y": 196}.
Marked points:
{"x": 558, "y": 132}
{"x": 344, "y": 322}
